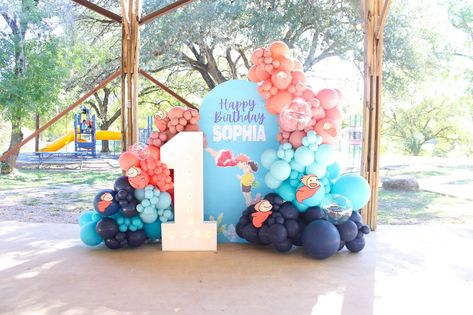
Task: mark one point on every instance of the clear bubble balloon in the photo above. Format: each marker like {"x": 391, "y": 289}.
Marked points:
{"x": 141, "y": 150}
{"x": 337, "y": 208}
{"x": 295, "y": 116}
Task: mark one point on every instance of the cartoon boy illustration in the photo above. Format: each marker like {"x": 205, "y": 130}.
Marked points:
{"x": 310, "y": 187}
{"x": 262, "y": 212}
{"x": 224, "y": 158}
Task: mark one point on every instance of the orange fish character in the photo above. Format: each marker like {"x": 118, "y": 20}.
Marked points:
{"x": 263, "y": 211}
{"x": 105, "y": 201}
{"x": 137, "y": 178}
{"x": 310, "y": 188}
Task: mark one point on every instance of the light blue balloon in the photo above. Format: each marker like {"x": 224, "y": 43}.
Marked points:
{"x": 149, "y": 216}
{"x": 301, "y": 207}
{"x": 334, "y": 170}
{"x": 164, "y": 201}
{"x": 286, "y": 191}
{"x": 168, "y": 214}
{"x": 148, "y": 194}
{"x": 304, "y": 156}
{"x": 316, "y": 199}
{"x": 139, "y": 194}
{"x": 325, "y": 154}
{"x": 89, "y": 236}
{"x": 271, "y": 182}
{"x": 280, "y": 170}
{"x": 297, "y": 167}
{"x": 316, "y": 169}
{"x": 153, "y": 230}
{"x": 268, "y": 157}
{"x": 355, "y": 188}
{"x": 86, "y": 217}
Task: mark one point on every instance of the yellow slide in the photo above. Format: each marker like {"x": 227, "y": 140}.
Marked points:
{"x": 60, "y": 143}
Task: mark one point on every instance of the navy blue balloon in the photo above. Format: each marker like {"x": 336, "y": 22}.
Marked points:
{"x": 274, "y": 199}
{"x": 292, "y": 228}
{"x": 277, "y": 233}
{"x": 365, "y": 229}
{"x": 356, "y": 245}
{"x": 289, "y": 211}
{"x": 250, "y": 233}
{"x": 342, "y": 244}
{"x": 320, "y": 239}
{"x": 283, "y": 246}
{"x": 111, "y": 209}
{"x": 263, "y": 235}
{"x": 314, "y": 213}
{"x": 112, "y": 243}
{"x": 239, "y": 229}
{"x": 355, "y": 216}
{"x": 107, "y": 228}
{"x": 122, "y": 183}
{"x": 136, "y": 238}
{"x": 348, "y": 230}
{"x": 129, "y": 209}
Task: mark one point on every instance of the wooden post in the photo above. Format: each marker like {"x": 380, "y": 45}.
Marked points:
{"x": 374, "y": 13}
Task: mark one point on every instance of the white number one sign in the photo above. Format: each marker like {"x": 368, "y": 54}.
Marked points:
{"x": 188, "y": 232}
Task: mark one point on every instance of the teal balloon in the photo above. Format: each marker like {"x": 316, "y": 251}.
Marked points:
{"x": 139, "y": 194}
{"x": 316, "y": 169}
{"x": 333, "y": 170}
{"x": 86, "y": 217}
{"x": 355, "y": 188}
{"x": 316, "y": 199}
{"x": 271, "y": 182}
{"x": 296, "y": 167}
{"x": 164, "y": 201}
{"x": 149, "y": 216}
{"x": 300, "y": 206}
{"x": 286, "y": 191}
{"x": 153, "y": 230}
{"x": 325, "y": 154}
{"x": 280, "y": 170}
{"x": 89, "y": 235}
{"x": 268, "y": 157}
{"x": 304, "y": 156}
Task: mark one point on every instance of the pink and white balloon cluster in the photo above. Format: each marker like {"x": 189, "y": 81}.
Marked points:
{"x": 282, "y": 83}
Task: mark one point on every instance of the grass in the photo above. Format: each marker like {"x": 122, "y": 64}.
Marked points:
{"x": 49, "y": 178}
{"x": 422, "y": 207}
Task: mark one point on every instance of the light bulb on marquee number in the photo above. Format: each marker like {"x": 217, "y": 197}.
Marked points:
{"x": 184, "y": 154}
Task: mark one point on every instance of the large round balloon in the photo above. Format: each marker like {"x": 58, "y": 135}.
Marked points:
{"x": 105, "y": 203}
{"x": 89, "y": 235}
{"x": 320, "y": 239}
{"x": 153, "y": 230}
{"x": 355, "y": 188}
{"x": 107, "y": 228}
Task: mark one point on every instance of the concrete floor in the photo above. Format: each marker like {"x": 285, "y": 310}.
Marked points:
{"x": 44, "y": 269}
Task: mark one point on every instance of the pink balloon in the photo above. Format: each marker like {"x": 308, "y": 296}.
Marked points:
{"x": 281, "y": 79}
{"x": 258, "y": 53}
{"x": 328, "y": 98}
{"x": 317, "y": 113}
{"x": 295, "y": 116}
{"x": 261, "y": 75}
{"x": 127, "y": 160}
{"x": 252, "y": 74}
{"x": 276, "y": 102}
{"x": 176, "y": 112}
{"x": 295, "y": 139}
{"x": 266, "y": 85}
{"x": 298, "y": 65}
{"x": 308, "y": 94}
{"x": 328, "y": 130}
{"x": 278, "y": 49}
{"x": 298, "y": 76}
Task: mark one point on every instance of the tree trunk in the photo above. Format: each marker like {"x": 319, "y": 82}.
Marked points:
{"x": 16, "y": 137}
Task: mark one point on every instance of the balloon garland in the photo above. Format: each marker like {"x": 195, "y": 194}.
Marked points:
{"x": 303, "y": 170}
{"x": 132, "y": 212}
{"x": 313, "y": 206}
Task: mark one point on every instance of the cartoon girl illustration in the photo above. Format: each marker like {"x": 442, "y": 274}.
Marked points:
{"x": 262, "y": 212}
{"x": 224, "y": 158}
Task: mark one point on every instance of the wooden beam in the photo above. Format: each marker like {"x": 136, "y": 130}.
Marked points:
{"x": 100, "y": 10}
{"x": 382, "y": 20}
{"x": 167, "y": 9}
{"x": 60, "y": 115}
{"x": 125, "y": 20}
{"x": 167, "y": 90}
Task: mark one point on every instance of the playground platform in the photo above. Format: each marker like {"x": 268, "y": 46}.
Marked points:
{"x": 67, "y": 160}
{"x": 44, "y": 269}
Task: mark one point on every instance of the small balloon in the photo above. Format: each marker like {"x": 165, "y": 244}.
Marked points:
{"x": 140, "y": 150}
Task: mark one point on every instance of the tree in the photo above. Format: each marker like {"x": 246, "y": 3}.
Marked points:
{"x": 31, "y": 69}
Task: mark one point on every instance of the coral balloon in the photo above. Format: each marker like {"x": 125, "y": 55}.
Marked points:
{"x": 328, "y": 130}
{"x": 328, "y": 98}
{"x": 278, "y": 49}
{"x": 261, "y": 75}
{"x": 334, "y": 114}
{"x": 308, "y": 94}
{"x": 176, "y": 112}
{"x": 127, "y": 160}
{"x": 286, "y": 64}
{"x": 281, "y": 79}
{"x": 276, "y": 102}
{"x": 258, "y": 53}
{"x": 298, "y": 65}
{"x": 298, "y": 76}
{"x": 295, "y": 139}
{"x": 252, "y": 74}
